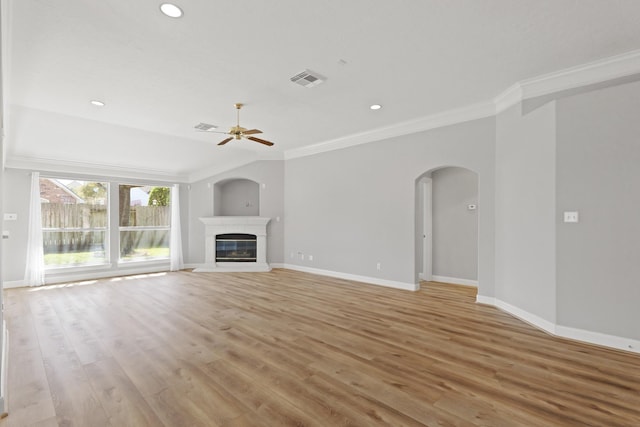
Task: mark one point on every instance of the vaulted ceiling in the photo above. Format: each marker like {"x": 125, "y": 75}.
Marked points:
{"x": 160, "y": 76}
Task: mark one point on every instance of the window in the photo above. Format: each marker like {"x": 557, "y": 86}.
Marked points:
{"x": 145, "y": 220}
{"x": 75, "y": 222}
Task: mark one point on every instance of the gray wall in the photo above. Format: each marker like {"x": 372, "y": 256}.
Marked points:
{"x": 525, "y": 210}
{"x": 455, "y": 227}
{"x": 269, "y": 174}
{"x": 356, "y": 207}
{"x": 598, "y": 175}
{"x": 238, "y": 197}
{"x": 17, "y": 186}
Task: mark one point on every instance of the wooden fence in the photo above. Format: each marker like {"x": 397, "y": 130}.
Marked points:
{"x": 66, "y": 220}
{"x": 57, "y": 215}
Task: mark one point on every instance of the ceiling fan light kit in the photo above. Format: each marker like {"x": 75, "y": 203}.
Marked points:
{"x": 238, "y": 132}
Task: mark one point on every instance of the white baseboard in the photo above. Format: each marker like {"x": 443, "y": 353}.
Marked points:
{"x": 3, "y": 368}
{"x": 8, "y": 284}
{"x": 234, "y": 267}
{"x": 78, "y": 276}
{"x": 613, "y": 341}
{"x": 590, "y": 337}
{"x": 355, "y": 278}
{"x": 454, "y": 280}
{"x": 93, "y": 275}
{"x": 481, "y": 299}
{"x": 203, "y": 265}
{"x": 193, "y": 265}
{"x": 530, "y": 318}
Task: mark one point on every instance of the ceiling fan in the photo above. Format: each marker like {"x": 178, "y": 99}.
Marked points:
{"x": 238, "y": 132}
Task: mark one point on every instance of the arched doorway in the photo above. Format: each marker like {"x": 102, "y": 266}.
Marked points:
{"x": 447, "y": 226}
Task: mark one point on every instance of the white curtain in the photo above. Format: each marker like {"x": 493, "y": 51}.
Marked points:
{"x": 34, "y": 271}
{"x": 175, "y": 241}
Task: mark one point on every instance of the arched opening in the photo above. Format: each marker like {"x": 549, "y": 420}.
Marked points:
{"x": 447, "y": 226}
{"x": 236, "y": 197}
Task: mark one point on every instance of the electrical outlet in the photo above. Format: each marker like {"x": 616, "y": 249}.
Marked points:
{"x": 379, "y": 266}
{"x": 571, "y": 217}
{"x": 310, "y": 257}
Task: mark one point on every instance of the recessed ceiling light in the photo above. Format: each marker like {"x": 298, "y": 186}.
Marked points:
{"x": 375, "y": 107}
{"x": 171, "y": 10}
{"x": 97, "y": 103}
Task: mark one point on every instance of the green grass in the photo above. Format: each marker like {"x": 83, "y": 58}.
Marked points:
{"x": 74, "y": 258}
{"x": 84, "y": 258}
{"x": 147, "y": 253}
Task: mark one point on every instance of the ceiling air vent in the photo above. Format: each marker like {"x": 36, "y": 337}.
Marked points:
{"x": 308, "y": 78}
{"x": 205, "y": 127}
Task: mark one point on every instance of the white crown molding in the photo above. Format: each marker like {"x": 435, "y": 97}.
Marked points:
{"x": 582, "y": 75}
{"x": 94, "y": 169}
{"x": 473, "y": 112}
{"x": 599, "y": 71}
{"x": 508, "y": 98}
{"x": 590, "y": 337}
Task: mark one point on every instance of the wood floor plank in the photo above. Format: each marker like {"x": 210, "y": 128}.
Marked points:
{"x": 29, "y": 395}
{"x": 295, "y": 349}
{"x": 121, "y": 400}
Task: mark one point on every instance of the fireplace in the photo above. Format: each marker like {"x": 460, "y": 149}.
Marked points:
{"x": 236, "y": 247}
{"x": 235, "y": 244}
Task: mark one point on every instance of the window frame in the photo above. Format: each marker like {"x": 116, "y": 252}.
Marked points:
{"x": 106, "y": 263}
{"x": 129, "y": 262}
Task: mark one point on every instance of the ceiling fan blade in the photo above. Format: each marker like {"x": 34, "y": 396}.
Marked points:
{"x": 224, "y": 141}
{"x": 261, "y": 141}
{"x": 251, "y": 132}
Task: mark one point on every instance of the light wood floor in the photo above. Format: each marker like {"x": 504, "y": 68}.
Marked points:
{"x": 287, "y": 348}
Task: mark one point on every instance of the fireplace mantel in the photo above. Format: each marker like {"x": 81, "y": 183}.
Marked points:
{"x": 234, "y": 224}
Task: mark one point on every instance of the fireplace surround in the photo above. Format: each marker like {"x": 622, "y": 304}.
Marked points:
{"x": 233, "y": 227}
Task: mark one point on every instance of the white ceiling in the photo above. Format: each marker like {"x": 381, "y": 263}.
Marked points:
{"x": 160, "y": 76}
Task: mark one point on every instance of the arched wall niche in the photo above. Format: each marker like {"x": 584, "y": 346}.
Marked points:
{"x": 236, "y": 197}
